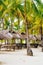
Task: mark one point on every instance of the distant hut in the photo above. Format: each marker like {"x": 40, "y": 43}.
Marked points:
{"x": 32, "y": 37}
{"x": 18, "y": 35}
{"x": 4, "y": 34}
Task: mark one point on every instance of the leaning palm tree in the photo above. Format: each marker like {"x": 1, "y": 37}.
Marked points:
{"x": 35, "y": 11}
{"x": 22, "y": 12}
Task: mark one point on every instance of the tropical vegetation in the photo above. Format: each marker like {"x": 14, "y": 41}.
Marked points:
{"x": 22, "y": 15}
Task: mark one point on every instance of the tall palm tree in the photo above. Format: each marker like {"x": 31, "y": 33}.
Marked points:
{"x": 35, "y": 11}
{"x": 29, "y": 51}
{"x": 23, "y": 9}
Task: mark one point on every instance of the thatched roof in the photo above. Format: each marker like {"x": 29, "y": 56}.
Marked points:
{"x": 16, "y": 35}
{"x": 31, "y": 37}
{"x": 38, "y": 37}
{"x": 19, "y": 35}
{"x": 35, "y": 37}
{"x": 4, "y": 34}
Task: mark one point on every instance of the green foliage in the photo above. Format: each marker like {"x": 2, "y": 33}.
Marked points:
{"x": 16, "y": 8}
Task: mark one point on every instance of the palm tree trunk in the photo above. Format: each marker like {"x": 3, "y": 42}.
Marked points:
{"x": 29, "y": 51}
{"x": 2, "y": 24}
{"x": 18, "y": 23}
{"x": 11, "y": 29}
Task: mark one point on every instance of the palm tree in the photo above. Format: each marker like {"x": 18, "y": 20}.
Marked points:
{"x": 35, "y": 11}
{"x": 29, "y": 51}
{"x": 22, "y": 12}
{"x": 23, "y": 9}
{"x": 39, "y": 8}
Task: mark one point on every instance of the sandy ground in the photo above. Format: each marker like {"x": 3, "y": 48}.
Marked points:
{"x": 19, "y": 57}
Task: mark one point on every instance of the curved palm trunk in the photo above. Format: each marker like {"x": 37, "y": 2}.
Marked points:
{"x": 29, "y": 51}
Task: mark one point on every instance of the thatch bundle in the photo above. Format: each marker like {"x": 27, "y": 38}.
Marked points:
{"x": 4, "y": 34}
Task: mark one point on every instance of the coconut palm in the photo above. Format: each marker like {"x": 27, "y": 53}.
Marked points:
{"x": 27, "y": 10}
{"x": 36, "y": 11}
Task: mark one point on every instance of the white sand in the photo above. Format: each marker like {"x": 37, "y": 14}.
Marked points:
{"x": 19, "y": 57}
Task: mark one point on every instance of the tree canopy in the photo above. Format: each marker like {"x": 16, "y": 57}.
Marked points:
{"x": 12, "y": 13}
